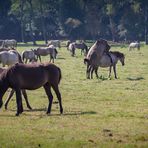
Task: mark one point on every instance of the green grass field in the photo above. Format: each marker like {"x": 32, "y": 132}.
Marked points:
{"x": 97, "y": 113}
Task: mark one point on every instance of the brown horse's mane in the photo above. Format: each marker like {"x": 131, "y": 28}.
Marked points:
{"x": 117, "y": 53}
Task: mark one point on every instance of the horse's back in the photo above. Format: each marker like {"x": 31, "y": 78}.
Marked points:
{"x": 33, "y": 76}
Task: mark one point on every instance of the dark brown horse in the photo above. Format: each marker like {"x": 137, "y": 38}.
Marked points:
{"x": 31, "y": 77}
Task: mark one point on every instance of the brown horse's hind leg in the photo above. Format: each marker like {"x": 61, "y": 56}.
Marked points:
{"x": 58, "y": 94}
{"x": 19, "y": 102}
{"x": 8, "y": 98}
{"x": 47, "y": 88}
{"x": 26, "y": 99}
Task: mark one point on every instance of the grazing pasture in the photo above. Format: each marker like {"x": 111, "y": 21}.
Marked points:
{"x": 97, "y": 113}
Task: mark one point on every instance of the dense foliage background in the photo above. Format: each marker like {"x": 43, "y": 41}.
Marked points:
{"x": 116, "y": 20}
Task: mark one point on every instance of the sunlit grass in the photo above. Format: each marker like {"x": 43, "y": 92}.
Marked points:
{"x": 97, "y": 113}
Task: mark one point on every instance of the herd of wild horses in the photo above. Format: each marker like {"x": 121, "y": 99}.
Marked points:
{"x": 21, "y": 77}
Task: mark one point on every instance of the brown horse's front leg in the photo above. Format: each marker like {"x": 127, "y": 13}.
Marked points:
{"x": 8, "y": 98}
{"x": 26, "y": 99}
{"x": 19, "y": 102}
{"x": 110, "y": 69}
{"x": 47, "y": 88}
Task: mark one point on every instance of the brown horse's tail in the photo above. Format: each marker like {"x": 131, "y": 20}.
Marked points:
{"x": 60, "y": 75}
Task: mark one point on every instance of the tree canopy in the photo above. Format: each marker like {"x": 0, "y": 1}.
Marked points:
{"x": 31, "y": 20}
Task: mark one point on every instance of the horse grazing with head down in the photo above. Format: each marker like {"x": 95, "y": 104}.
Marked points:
{"x": 134, "y": 45}
{"x": 106, "y": 62}
{"x": 82, "y": 46}
{"x": 30, "y": 77}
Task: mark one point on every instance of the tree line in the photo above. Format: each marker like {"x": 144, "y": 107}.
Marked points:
{"x": 116, "y": 20}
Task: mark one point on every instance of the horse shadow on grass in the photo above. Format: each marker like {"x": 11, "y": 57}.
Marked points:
{"x": 61, "y": 58}
{"x": 135, "y": 79}
{"x": 70, "y": 113}
{"x": 66, "y": 113}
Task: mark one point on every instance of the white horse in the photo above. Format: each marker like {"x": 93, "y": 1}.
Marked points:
{"x": 29, "y": 55}
{"x": 9, "y": 57}
{"x": 134, "y": 45}
{"x": 56, "y": 43}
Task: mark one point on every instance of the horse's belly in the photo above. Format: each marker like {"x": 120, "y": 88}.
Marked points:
{"x": 33, "y": 83}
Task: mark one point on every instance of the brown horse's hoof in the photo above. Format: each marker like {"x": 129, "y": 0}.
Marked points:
{"x": 61, "y": 111}
{"x": 29, "y": 107}
{"x": 17, "y": 114}
{"x": 6, "y": 107}
{"x": 48, "y": 113}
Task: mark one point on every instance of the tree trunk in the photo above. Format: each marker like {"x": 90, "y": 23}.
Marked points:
{"x": 30, "y": 22}
{"x": 146, "y": 22}
{"x": 43, "y": 23}
{"x": 22, "y": 21}
{"x": 112, "y": 28}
